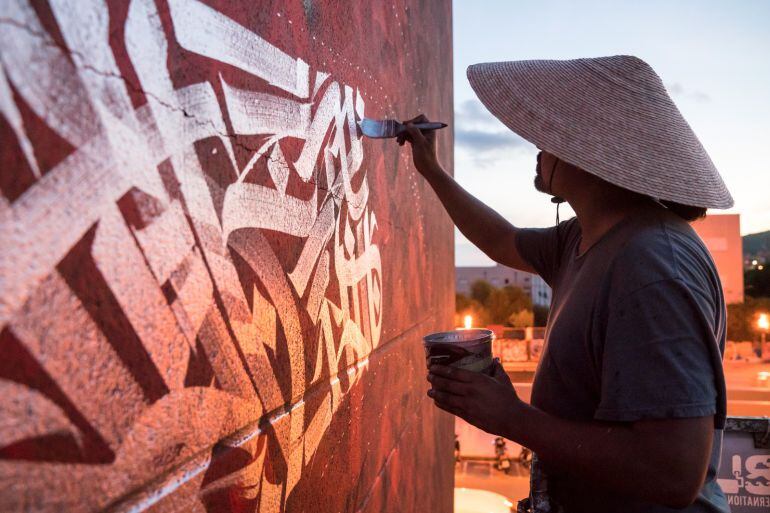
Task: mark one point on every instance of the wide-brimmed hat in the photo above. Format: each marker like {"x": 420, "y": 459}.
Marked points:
{"x": 611, "y": 117}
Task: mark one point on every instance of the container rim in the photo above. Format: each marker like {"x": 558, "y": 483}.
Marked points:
{"x": 461, "y": 336}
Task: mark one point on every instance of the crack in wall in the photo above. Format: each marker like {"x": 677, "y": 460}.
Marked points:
{"x": 42, "y": 35}
{"x": 80, "y": 62}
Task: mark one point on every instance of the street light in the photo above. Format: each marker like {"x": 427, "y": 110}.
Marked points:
{"x": 763, "y": 323}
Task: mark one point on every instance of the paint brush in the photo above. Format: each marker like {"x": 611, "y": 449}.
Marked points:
{"x": 380, "y": 129}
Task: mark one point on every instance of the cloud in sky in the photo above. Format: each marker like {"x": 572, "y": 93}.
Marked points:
{"x": 483, "y": 141}
{"x": 481, "y": 135}
{"x": 677, "y": 89}
{"x": 474, "y": 111}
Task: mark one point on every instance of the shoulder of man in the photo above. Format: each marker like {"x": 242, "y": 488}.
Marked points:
{"x": 661, "y": 250}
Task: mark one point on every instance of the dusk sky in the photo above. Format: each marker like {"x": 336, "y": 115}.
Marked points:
{"x": 712, "y": 57}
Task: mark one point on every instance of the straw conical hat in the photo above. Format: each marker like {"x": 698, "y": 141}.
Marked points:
{"x": 610, "y": 116}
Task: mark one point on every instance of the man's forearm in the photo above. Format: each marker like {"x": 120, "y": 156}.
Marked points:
{"x": 603, "y": 456}
{"x": 480, "y": 224}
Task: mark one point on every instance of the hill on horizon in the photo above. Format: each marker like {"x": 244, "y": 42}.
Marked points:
{"x": 756, "y": 245}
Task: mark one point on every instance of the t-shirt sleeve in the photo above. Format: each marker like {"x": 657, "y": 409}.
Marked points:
{"x": 543, "y": 248}
{"x": 660, "y": 357}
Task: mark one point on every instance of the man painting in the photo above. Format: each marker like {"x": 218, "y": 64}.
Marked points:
{"x": 628, "y": 400}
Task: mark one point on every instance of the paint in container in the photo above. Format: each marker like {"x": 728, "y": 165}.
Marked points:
{"x": 469, "y": 349}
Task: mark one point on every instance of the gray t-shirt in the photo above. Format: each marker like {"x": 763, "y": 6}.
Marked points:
{"x": 636, "y": 331}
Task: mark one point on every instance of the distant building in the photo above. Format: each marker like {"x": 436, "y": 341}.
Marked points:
{"x": 720, "y": 232}
{"x": 722, "y": 235}
{"x": 501, "y": 276}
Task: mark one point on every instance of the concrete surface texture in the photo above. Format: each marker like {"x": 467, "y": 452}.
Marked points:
{"x": 212, "y": 289}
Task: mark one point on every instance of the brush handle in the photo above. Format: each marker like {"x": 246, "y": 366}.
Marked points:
{"x": 429, "y": 126}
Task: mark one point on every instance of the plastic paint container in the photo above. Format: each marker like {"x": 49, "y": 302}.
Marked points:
{"x": 469, "y": 349}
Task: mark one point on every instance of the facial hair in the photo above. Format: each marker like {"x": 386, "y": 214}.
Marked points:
{"x": 539, "y": 182}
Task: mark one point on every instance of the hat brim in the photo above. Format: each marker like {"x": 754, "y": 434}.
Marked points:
{"x": 625, "y": 131}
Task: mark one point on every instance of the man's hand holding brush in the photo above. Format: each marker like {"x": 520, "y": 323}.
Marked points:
{"x": 423, "y": 147}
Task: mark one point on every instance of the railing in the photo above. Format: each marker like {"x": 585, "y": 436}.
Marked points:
{"x": 518, "y": 344}
{"x": 501, "y": 460}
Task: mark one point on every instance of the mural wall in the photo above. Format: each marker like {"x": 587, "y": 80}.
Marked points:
{"x": 212, "y": 289}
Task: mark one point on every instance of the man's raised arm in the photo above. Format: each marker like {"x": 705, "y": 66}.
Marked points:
{"x": 484, "y": 227}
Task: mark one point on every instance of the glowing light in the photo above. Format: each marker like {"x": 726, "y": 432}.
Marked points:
{"x": 468, "y": 322}
{"x": 763, "y": 376}
{"x": 753, "y": 262}
{"x": 760, "y": 267}
{"x": 763, "y": 322}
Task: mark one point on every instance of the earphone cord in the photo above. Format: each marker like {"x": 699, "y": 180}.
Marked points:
{"x": 558, "y": 202}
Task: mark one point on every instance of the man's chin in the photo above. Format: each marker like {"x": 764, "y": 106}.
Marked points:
{"x": 539, "y": 185}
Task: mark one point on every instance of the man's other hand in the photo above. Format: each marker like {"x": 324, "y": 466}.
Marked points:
{"x": 487, "y": 402}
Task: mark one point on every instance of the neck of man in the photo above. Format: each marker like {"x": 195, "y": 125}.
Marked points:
{"x": 599, "y": 206}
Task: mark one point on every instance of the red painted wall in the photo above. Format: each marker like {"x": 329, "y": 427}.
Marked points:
{"x": 212, "y": 290}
